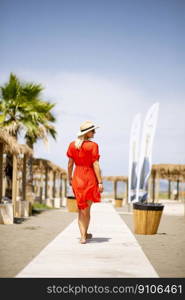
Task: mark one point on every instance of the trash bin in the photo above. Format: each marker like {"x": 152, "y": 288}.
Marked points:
{"x": 71, "y": 200}
{"x": 71, "y": 204}
{"x": 118, "y": 202}
{"x": 147, "y": 217}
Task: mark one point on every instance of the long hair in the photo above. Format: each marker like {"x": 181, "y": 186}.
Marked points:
{"x": 78, "y": 142}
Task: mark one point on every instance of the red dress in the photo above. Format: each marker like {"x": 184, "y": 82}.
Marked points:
{"x": 84, "y": 181}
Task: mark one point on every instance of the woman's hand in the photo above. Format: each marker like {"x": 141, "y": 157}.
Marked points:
{"x": 70, "y": 182}
{"x": 100, "y": 185}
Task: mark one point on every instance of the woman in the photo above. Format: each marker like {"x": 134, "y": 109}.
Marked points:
{"x": 86, "y": 181}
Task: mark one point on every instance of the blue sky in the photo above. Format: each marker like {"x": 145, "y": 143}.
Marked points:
{"x": 103, "y": 61}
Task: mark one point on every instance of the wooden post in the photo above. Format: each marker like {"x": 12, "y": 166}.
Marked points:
{"x": 60, "y": 186}
{"x": 65, "y": 187}
{"x": 50, "y": 189}
{"x": 19, "y": 182}
{"x": 157, "y": 187}
{"x": 169, "y": 189}
{"x": 60, "y": 190}
{"x": 54, "y": 184}
{"x": 36, "y": 185}
{"x": 1, "y": 171}
{"x": 57, "y": 187}
{"x": 153, "y": 185}
{"x": 14, "y": 183}
{"x": 23, "y": 205}
{"x": 127, "y": 191}
{"x": 64, "y": 190}
{"x": 177, "y": 197}
{"x": 149, "y": 189}
{"x": 56, "y": 199}
{"x": 115, "y": 189}
{"x": 24, "y": 178}
{"x": 39, "y": 182}
{"x": 46, "y": 183}
{"x": 41, "y": 186}
{"x": 4, "y": 184}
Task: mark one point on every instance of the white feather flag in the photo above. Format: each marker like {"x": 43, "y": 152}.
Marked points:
{"x": 145, "y": 164}
{"x": 133, "y": 158}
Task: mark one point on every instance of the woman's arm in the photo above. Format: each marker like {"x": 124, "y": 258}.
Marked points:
{"x": 97, "y": 171}
{"x": 70, "y": 169}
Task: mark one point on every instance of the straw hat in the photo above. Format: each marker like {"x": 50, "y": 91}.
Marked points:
{"x": 86, "y": 127}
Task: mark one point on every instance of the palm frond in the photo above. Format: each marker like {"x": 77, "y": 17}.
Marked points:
{"x": 31, "y": 91}
{"x": 11, "y": 144}
{"x": 22, "y": 108}
{"x": 11, "y": 126}
{"x": 11, "y": 89}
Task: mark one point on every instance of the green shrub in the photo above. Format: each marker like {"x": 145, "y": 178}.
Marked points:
{"x": 40, "y": 206}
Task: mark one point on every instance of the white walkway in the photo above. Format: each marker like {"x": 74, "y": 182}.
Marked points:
{"x": 113, "y": 251}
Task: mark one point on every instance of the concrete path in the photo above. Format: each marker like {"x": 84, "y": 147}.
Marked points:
{"x": 113, "y": 251}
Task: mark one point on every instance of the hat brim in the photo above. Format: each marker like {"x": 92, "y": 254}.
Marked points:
{"x": 84, "y": 132}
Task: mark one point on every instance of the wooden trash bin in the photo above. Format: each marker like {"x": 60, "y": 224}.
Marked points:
{"x": 71, "y": 204}
{"x": 147, "y": 217}
{"x": 118, "y": 202}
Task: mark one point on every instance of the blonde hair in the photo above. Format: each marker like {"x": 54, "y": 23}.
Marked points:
{"x": 79, "y": 140}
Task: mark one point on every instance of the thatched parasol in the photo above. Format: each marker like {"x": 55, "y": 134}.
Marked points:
{"x": 40, "y": 163}
{"x": 116, "y": 178}
{"x": 171, "y": 172}
{"x": 11, "y": 145}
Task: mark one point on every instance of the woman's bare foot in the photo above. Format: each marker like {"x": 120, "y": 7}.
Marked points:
{"x": 83, "y": 240}
{"x": 89, "y": 236}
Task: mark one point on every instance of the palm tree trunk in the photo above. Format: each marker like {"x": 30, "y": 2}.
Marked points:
{"x": 24, "y": 178}
{"x": 9, "y": 171}
{"x": 14, "y": 183}
{"x": 29, "y": 183}
{"x": 8, "y": 174}
{"x": 30, "y": 167}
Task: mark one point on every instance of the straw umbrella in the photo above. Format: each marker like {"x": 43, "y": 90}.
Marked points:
{"x": 170, "y": 172}
{"x": 8, "y": 144}
{"x": 47, "y": 168}
{"x": 115, "y": 180}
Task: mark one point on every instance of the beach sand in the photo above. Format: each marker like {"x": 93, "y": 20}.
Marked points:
{"x": 20, "y": 243}
{"x": 166, "y": 249}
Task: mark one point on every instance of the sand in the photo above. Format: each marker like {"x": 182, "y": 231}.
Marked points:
{"x": 20, "y": 243}
{"x": 166, "y": 249}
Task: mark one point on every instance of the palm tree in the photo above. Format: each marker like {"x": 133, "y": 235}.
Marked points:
{"x": 22, "y": 111}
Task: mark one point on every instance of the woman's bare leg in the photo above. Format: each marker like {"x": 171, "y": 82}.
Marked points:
{"x": 88, "y": 215}
{"x": 84, "y": 220}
